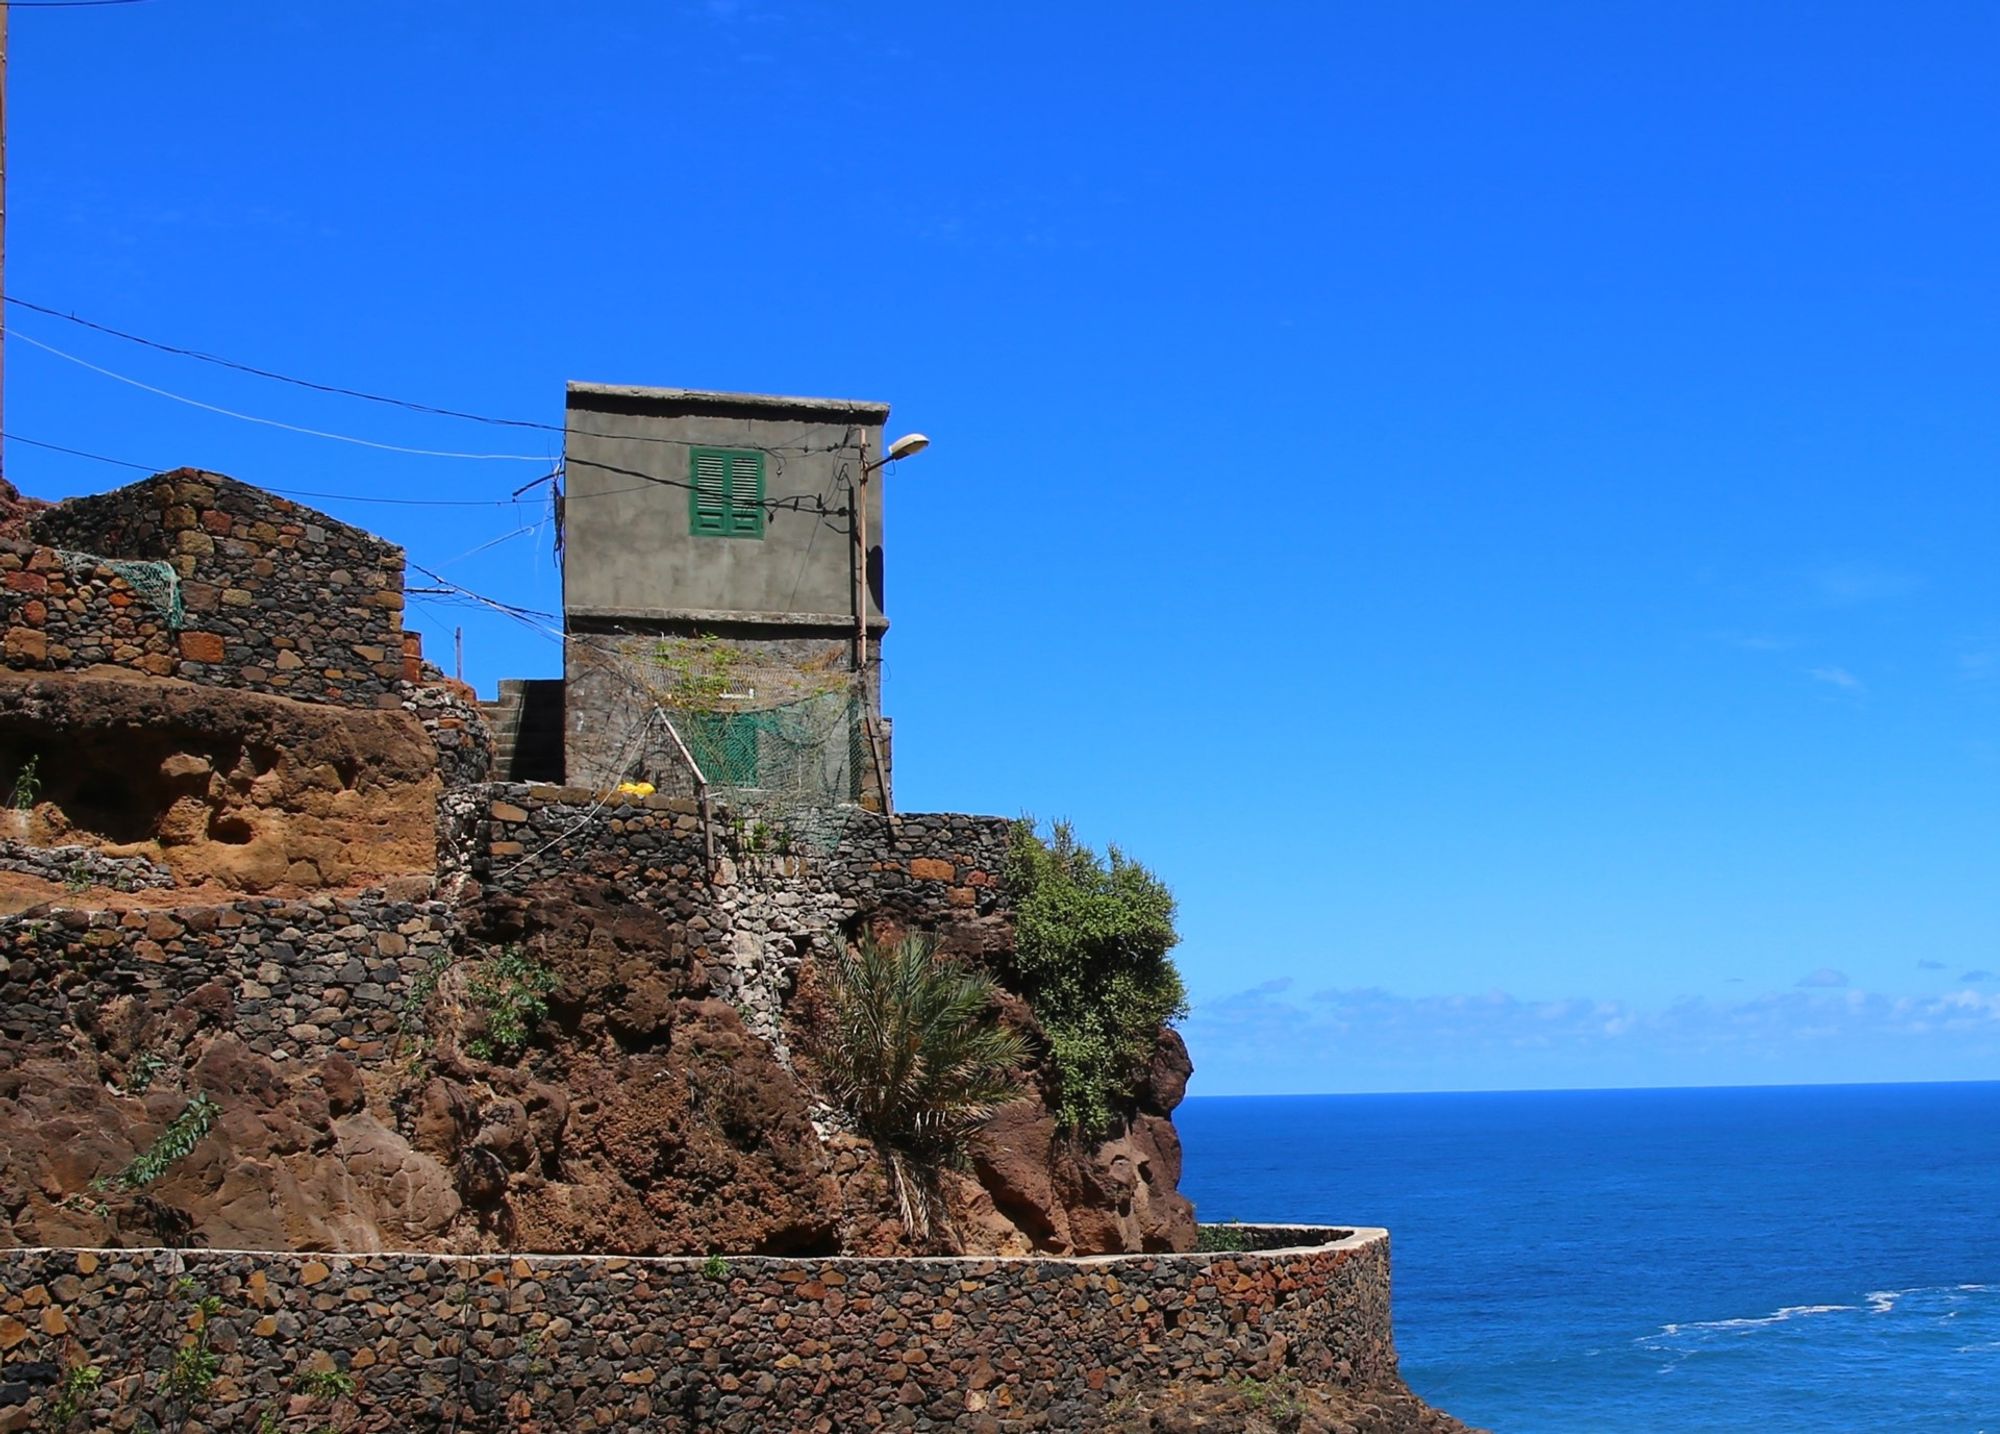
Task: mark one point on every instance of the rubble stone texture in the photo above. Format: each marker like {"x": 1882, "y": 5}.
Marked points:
{"x": 259, "y": 864}
{"x": 749, "y": 1344}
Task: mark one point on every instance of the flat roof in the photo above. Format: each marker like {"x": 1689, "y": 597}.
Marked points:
{"x": 633, "y": 395}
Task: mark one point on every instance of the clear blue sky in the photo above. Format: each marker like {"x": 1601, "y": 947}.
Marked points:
{"x": 1496, "y": 504}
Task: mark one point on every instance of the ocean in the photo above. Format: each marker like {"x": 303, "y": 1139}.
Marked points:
{"x": 1814, "y": 1259}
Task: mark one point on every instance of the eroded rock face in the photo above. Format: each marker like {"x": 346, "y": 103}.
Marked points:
{"x": 280, "y": 1170}
{"x": 253, "y": 792}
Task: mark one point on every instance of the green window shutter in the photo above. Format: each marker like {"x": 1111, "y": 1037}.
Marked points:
{"x": 708, "y": 496}
{"x": 746, "y": 495}
{"x": 726, "y": 493}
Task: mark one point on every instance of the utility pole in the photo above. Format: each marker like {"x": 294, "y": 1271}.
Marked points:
{"x": 3, "y": 239}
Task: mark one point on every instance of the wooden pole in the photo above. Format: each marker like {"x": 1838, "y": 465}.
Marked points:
{"x": 3, "y": 239}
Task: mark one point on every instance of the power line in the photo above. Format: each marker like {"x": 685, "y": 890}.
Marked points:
{"x": 78, "y": 453}
{"x": 275, "y": 423}
{"x": 778, "y": 451}
{"x": 295, "y": 493}
{"x": 63, "y": 4}
{"x": 252, "y": 369}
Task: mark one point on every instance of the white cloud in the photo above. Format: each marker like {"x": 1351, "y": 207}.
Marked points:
{"x": 1371, "y": 1038}
{"x": 1854, "y": 584}
{"x": 1824, "y": 977}
{"x": 1837, "y": 677}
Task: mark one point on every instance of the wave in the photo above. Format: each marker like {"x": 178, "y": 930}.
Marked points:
{"x": 1678, "y": 1336}
{"x": 1671, "y": 1331}
{"x": 1885, "y": 1301}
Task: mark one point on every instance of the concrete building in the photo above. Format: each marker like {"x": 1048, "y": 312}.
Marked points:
{"x": 710, "y": 583}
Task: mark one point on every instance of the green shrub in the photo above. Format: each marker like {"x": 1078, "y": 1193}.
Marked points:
{"x": 78, "y": 1388}
{"x": 1091, "y": 941}
{"x": 1226, "y": 1237}
{"x": 182, "y": 1134}
{"x": 510, "y": 992}
{"x": 911, "y": 1049}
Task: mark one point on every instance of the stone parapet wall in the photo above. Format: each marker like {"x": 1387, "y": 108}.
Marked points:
{"x": 749, "y": 1344}
{"x": 773, "y": 896}
{"x": 266, "y": 594}
{"x": 290, "y": 979}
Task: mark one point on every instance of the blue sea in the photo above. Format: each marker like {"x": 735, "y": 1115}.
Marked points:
{"x": 1812, "y": 1259}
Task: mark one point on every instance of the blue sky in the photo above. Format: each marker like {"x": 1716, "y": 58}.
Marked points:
{"x": 1494, "y": 503}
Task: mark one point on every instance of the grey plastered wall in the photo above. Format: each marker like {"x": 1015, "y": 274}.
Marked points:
{"x": 633, "y": 572}
{"x": 628, "y": 551}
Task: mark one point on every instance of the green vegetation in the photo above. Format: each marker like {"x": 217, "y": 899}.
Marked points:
{"x": 1226, "y": 1237}
{"x": 911, "y": 1049}
{"x": 699, "y": 671}
{"x": 1278, "y": 1400}
{"x": 418, "y": 1000}
{"x": 193, "y": 1366}
{"x": 1091, "y": 941}
{"x": 715, "y": 1268}
{"x": 146, "y": 1067}
{"x": 325, "y": 1384}
{"x": 182, "y": 1134}
{"x": 510, "y": 992}
{"x": 27, "y": 785}
{"x": 79, "y": 1386}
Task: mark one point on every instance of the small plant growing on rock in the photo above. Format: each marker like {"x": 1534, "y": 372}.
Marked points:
{"x": 193, "y": 1366}
{"x": 325, "y": 1384}
{"x": 146, "y": 1067}
{"x": 911, "y": 1050}
{"x": 79, "y": 1387}
{"x": 715, "y": 1268}
{"x": 511, "y": 993}
{"x": 27, "y": 785}
{"x": 182, "y": 1134}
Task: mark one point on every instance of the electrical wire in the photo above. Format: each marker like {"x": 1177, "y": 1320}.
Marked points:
{"x": 253, "y": 370}
{"x": 63, "y": 4}
{"x": 275, "y": 423}
{"x": 778, "y": 451}
{"x": 77, "y": 453}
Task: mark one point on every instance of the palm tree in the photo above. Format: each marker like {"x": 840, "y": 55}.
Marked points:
{"x": 910, "y": 1049}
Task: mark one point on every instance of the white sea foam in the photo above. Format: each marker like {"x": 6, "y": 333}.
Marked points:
{"x": 1672, "y": 1331}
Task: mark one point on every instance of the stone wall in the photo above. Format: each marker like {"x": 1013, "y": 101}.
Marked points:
{"x": 265, "y": 594}
{"x": 295, "y": 980}
{"x": 69, "y": 610}
{"x": 776, "y": 894}
{"x": 754, "y": 1344}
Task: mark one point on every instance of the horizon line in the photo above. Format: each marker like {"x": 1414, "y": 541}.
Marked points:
{"x": 1593, "y": 1089}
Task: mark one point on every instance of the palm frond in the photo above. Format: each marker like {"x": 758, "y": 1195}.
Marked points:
{"x": 912, "y": 1051}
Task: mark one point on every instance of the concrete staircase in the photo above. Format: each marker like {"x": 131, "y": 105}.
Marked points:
{"x": 527, "y": 723}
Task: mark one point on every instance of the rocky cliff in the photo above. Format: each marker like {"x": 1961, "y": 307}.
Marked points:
{"x": 276, "y": 912}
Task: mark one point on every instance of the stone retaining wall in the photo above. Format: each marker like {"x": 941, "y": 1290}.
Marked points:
{"x": 291, "y": 979}
{"x": 774, "y": 895}
{"x": 757, "y": 1344}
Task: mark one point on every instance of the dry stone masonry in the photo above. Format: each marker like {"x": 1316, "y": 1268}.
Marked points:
{"x": 751, "y": 1345}
{"x": 290, "y": 975}
{"x": 195, "y": 575}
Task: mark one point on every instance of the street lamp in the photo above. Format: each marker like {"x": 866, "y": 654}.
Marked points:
{"x": 906, "y": 446}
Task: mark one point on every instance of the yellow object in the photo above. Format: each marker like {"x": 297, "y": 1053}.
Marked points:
{"x": 636, "y": 789}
